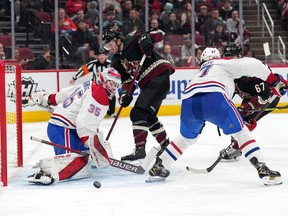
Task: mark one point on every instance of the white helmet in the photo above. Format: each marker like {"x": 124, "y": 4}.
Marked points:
{"x": 209, "y": 53}
{"x": 109, "y": 74}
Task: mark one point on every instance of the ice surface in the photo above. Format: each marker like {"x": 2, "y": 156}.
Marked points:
{"x": 230, "y": 189}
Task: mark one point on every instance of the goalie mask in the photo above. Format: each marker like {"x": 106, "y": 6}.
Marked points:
{"x": 209, "y": 53}
{"x": 110, "y": 79}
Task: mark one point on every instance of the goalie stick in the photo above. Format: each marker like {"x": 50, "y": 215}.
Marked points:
{"x": 224, "y": 153}
{"x": 114, "y": 162}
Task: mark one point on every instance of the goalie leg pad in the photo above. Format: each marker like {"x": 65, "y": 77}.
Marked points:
{"x": 97, "y": 150}
{"x": 60, "y": 168}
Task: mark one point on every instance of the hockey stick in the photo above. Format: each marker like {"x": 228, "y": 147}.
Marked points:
{"x": 210, "y": 168}
{"x": 114, "y": 163}
{"x": 269, "y": 109}
{"x": 129, "y": 90}
{"x": 224, "y": 153}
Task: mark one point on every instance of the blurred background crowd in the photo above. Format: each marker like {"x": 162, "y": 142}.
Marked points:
{"x": 217, "y": 24}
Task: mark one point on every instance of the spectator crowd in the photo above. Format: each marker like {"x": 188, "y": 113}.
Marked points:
{"x": 217, "y": 24}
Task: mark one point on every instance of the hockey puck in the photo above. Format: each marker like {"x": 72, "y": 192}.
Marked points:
{"x": 97, "y": 184}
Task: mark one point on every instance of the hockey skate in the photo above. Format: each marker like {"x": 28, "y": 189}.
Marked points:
{"x": 158, "y": 172}
{"x": 269, "y": 177}
{"x": 138, "y": 153}
{"x": 40, "y": 178}
{"x": 231, "y": 155}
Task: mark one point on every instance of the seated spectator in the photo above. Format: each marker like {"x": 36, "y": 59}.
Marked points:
{"x": 133, "y": 23}
{"x": 186, "y": 14}
{"x": 107, "y": 5}
{"x": 2, "y": 52}
{"x": 24, "y": 62}
{"x": 202, "y": 18}
{"x": 221, "y": 51}
{"x": 154, "y": 25}
{"x": 166, "y": 53}
{"x": 94, "y": 49}
{"x": 156, "y": 6}
{"x": 80, "y": 16}
{"x": 155, "y": 15}
{"x": 127, "y": 6}
{"x": 232, "y": 24}
{"x": 219, "y": 37}
{"x": 196, "y": 58}
{"x": 211, "y": 23}
{"x": 173, "y": 26}
{"x": 44, "y": 61}
{"x": 112, "y": 22}
{"x": 92, "y": 14}
{"x": 82, "y": 40}
{"x": 250, "y": 54}
{"x": 164, "y": 17}
{"x": 226, "y": 10}
{"x": 73, "y": 6}
{"x": 186, "y": 49}
{"x": 66, "y": 28}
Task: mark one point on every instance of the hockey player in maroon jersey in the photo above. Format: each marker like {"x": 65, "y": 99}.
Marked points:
{"x": 255, "y": 93}
{"x": 75, "y": 124}
{"x": 153, "y": 80}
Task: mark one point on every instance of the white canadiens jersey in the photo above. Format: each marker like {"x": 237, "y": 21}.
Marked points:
{"x": 218, "y": 75}
{"x": 81, "y": 107}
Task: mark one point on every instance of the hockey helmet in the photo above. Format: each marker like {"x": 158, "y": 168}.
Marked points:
{"x": 111, "y": 34}
{"x": 232, "y": 49}
{"x": 110, "y": 79}
{"x": 209, "y": 53}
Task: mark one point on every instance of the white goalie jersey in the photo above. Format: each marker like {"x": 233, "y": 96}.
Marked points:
{"x": 81, "y": 107}
{"x": 212, "y": 76}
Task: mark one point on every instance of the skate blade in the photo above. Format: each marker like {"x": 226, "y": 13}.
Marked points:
{"x": 230, "y": 160}
{"x": 271, "y": 181}
{"x": 152, "y": 179}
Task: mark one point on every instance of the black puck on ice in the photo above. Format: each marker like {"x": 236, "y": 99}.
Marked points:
{"x": 97, "y": 184}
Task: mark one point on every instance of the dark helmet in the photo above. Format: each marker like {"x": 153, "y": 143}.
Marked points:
{"x": 111, "y": 34}
{"x": 232, "y": 49}
{"x": 101, "y": 51}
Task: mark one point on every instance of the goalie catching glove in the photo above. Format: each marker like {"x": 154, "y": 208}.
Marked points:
{"x": 41, "y": 98}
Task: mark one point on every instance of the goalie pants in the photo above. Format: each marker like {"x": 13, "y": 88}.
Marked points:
{"x": 65, "y": 137}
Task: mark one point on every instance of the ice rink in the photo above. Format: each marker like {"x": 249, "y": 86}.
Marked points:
{"x": 230, "y": 189}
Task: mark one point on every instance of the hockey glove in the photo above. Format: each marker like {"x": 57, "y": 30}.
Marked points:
{"x": 41, "y": 98}
{"x": 125, "y": 99}
{"x": 251, "y": 124}
{"x": 280, "y": 86}
{"x": 157, "y": 35}
{"x": 146, "y": 44}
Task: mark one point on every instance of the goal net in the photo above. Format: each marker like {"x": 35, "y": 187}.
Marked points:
{"x": 10, "y": 118}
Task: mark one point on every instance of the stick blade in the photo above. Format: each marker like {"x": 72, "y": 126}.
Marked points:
{"x": 191, "y": 169}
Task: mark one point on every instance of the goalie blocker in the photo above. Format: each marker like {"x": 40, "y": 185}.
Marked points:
{"x": 73, "y": 166}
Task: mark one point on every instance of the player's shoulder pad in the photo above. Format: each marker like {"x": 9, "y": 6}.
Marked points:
{"x": 99, "y": 94}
